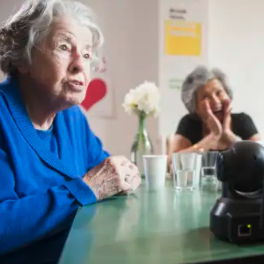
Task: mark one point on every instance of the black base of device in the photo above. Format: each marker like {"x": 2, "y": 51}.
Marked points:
{"x": 237, "y": 221}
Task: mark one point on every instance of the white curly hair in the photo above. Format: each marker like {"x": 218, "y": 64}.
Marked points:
{"x": 199, "y": 77}
{"x": 26, "y": 29}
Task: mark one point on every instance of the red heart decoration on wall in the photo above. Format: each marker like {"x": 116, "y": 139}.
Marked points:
{"x": 96, "y": 91}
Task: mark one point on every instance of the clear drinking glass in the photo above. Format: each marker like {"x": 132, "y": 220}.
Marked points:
{"x": 208, "y": 169}
{"x": 184, "y": 170}
{"x": 209, "y": 181}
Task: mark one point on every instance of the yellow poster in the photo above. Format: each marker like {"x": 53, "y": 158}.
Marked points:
{"x": 183, "y": 38}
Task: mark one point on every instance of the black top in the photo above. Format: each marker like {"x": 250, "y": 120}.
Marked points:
{"x": 190, "y": 127}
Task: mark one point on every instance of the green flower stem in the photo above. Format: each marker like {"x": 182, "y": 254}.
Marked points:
{"x": 141, "y": 130}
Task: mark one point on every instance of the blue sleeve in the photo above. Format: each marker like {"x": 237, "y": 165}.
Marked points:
{"x": 25, "y": 220}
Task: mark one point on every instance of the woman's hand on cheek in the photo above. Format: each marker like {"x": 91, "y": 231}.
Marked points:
{"x": 213, "y": 124}
{"x": 228, "y": 134}
{"x": 227, "y": 116}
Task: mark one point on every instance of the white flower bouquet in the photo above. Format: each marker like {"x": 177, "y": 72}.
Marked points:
{"x": 143, "y": 101}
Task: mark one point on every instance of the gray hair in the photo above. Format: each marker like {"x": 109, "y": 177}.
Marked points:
{"x": 199, "y": 77}
{"x": 27, "y": 28}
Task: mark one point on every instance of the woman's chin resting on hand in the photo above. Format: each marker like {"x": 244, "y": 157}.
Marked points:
{"x": 210, "y": 124}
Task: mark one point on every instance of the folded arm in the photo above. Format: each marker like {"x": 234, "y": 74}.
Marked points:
{"x": 24, "y": 220}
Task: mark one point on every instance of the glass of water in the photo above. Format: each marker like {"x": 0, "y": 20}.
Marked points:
{"x": 208, "y": 171}
{"x": 184, "y": 170}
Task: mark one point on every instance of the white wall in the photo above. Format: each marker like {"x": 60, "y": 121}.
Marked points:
{"x": 172, "y": 108}
{"x": 236, "y": 45}
{"x": 131, "y": 35}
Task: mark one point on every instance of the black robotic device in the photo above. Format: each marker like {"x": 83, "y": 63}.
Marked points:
{"x": 238, "y": 215}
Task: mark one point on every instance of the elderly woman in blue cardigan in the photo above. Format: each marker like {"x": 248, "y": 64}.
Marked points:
{"x": 51, "y": 162}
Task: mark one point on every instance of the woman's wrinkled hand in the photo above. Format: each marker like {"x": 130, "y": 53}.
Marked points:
{"x": 212, "y": 122}
{"x": 115, "y": 175}
{"x": 228, "y": 136}
{"x": 227, "y": 115}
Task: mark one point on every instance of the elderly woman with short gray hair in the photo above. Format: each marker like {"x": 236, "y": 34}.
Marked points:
{"x": 51, "y": 162}
{"x": 210, "y": 124}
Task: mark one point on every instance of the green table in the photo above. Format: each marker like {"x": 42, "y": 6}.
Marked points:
{"x": 164, "y": 227}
